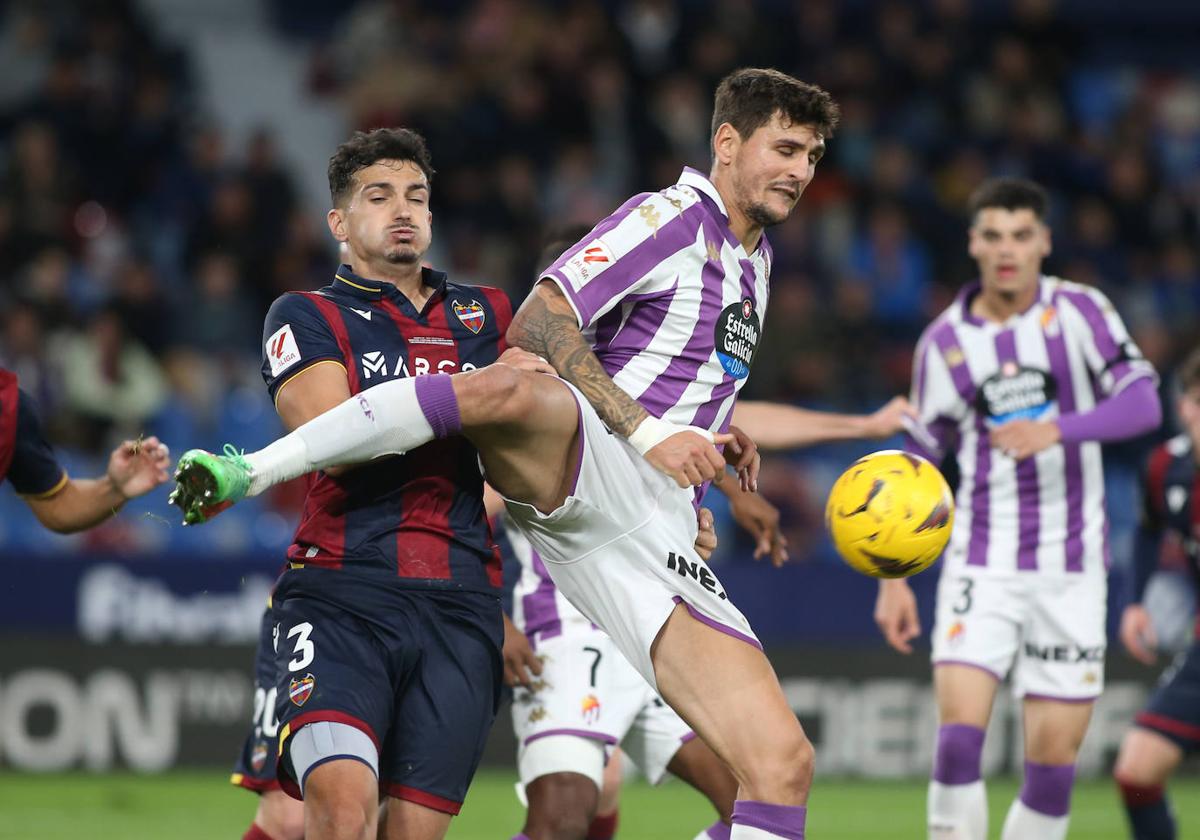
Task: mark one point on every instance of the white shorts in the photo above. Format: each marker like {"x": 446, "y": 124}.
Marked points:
{"x": 587, "y": 689}
{"x": 1049, "y": 631}
{"x": 621, "y": 547}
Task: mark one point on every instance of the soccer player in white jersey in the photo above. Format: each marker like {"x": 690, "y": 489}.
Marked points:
{"x": 652, "y": 322}
{"x": 1020, "y": 379}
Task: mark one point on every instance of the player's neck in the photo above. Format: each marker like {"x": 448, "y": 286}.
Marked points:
{"x": 406, "y": 277}
{"x": 746, "y": 231}
{"x": 998, "y": 306}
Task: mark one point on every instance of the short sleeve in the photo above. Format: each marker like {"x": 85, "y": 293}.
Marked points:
{"x": 296, "y": 335}
{"x": 1111, "y": 354}
{"x": 627, "y": 252}
{"x": 936, "y": 399}
{"x": 34, "y": 470}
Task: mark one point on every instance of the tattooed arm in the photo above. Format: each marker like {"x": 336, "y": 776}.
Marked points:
{"x": 546, "y": 325}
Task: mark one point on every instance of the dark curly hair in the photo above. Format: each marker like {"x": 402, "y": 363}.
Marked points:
{"x": 368, "y": 147}
{"x": 1010, "y": 194}
{"x": 749, "y": 97}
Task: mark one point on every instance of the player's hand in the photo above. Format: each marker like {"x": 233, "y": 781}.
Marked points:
{"x": 138, "y": 466}
{"x": 706, "y": 534}
{"x": 760, "y": 519}
{"x": 1137, "y": 634}
{"x": 896, "y": 614}
{"x": 524, "y": 360}
{"x": 742, "y": 454}
{"x": 890, "y": 419}
{"x": 519, "y": 659}
{"x": 1021, "y": 439}
{"x": 688, "y": 457}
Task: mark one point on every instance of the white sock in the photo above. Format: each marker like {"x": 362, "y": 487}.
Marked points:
{"x": 957, "y": 812}
{"x": 384, "y": 420}
{"x": 749, "y": 832}
{"x": 1024, "y": 823}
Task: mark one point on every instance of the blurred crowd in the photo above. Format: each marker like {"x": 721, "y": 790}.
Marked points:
{"x": 138, "y": 250}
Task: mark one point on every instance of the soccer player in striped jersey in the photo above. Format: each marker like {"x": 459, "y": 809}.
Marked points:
{"x": 652, "y": 322}
{"x": 1021, "y": 380}
{"x": 1169, "y": 727}
{"x": 61, "y": 503}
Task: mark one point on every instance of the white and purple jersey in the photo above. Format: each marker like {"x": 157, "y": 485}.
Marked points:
{"x": 539, "y": 610}
{"x": 1064, "y": 354}
{"x": 670, "y": 301}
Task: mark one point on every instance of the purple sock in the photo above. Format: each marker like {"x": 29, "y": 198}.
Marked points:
{"x": 521, "y": 837}
{"x": 959, "y": 754}
{"x": 1047, "y": 788}
{"x": 717, "y": 831}
{"x": 785, "y": 821}
{"x": 435, "y": 395}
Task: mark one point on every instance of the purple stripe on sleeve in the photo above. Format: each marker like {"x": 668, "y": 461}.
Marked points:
{"x": 540, "y": 606}
{"x": 943, "y": 336}
{"x": 1027, "y": 478}
{"x": 664, "y": 392}
{"x": 602, "y": 291}
{"x": 1060, "y": 367}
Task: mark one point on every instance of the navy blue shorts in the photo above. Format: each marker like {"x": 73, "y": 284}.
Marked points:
{"x": 418, "y": 670}
{"x": 1174, "y": 708}
{"x": 255, "y": 767}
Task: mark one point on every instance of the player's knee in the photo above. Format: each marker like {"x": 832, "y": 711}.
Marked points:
{"x": 506, "y": 391}
{"x": 281, "y": 816}
{"x": 338, "y": 817}
{"x": 561, "y": 806}
{"x": 785, "y": 772}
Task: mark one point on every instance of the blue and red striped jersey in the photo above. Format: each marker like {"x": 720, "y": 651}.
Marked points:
{"x": 420, "y": 514}
{"x": 1169, "y": 533}
{"x": 26, "y": 459}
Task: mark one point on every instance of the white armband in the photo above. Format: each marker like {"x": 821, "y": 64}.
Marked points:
{"x": 652, "y": 431}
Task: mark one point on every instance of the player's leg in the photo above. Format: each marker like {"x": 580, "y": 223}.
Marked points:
{"x": 341, "y": 799}
{"x": 279, "y": 817}
{"x": 604, "y": 824}
{"x": 1145, "y": 761}
{"x": 726, "y": 690}
{"x": 1054, "y": 729}
{"x": 956, "y": 802}
{"x": 524, "y": 424}
{"x": 1164, "y": 732}
{"x": 443, "y": 707}
{"x": 696, "y": 764}
{"x": 562, "y": 805}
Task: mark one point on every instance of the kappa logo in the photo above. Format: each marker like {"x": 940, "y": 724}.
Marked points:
{"x": 538, "y": 714}
{"x": 1176, "y": 497}
{"x": 301, "y": 688}
{"x": 589, "y": 708}
{"x": 281, "y": 350}
{"x": 365, "y": 313}
{"x": 471, "y": 314}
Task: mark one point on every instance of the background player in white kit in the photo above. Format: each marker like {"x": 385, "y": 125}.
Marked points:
{"x": 653, "y": 320}
{"x": 1021, "y": 379}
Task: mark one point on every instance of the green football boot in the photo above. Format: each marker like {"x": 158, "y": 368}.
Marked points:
{"x": 206, "y": 484}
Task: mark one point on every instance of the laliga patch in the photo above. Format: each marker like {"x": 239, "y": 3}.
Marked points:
{"x": 471, "y": 314}
{"x": 736, "y": 338}
{"x": 282, "y": 350}
{"x": 301, "y": 689}
{"x": 585, "y": 264}
{"x": 1015, "y": 393}
{"x": 589, "y": 709}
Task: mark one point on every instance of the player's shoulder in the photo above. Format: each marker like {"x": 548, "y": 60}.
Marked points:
{"x": 1060, "y": 290}
{"x": 942, "y": 327}
{"x": 658, "y": 209}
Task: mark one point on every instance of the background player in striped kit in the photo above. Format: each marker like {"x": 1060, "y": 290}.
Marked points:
{"x": 1020, "y": 380}
{"x": 653, "y": 322}
{"x": 1169, "y": 727}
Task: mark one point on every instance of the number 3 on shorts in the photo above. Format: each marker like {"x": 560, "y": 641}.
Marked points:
{"x": 963, "y": 603}
{"x": 304, "y": 647}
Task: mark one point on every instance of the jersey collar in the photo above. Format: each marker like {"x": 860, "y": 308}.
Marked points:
{"x": 968, "y": 292}
{"x": 698, "y": 181}
{"x": 347, "y": 281}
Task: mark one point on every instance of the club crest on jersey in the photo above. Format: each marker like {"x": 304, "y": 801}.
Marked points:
{"x": 589, "y": 708}
{"x": 471, "y": 314}
{"x": 955, "y": 634}
{"x": 258, "y": 757}
{"x": 736, "y": 337}
{"x": 1050, "y": 321}
{"x": 301, "y": 688}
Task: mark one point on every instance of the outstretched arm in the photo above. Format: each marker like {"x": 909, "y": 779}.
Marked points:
{"x": 134, "y": 469}
{"x": 780, "y": 426}
{"x": 546, "y": 325}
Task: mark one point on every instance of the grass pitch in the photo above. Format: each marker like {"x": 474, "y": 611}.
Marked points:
{"x": 203, "y": 806}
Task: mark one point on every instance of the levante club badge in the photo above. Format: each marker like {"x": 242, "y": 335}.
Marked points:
{"x": 301, "y": 689}
{"x": 471, "y": 314}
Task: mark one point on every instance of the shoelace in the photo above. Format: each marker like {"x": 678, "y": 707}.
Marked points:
{"x": 236, "y": 455}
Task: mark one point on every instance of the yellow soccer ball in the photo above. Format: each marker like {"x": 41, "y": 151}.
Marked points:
{"x": 890, "y": 514}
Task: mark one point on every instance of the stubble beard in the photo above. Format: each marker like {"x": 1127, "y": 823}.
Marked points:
{"x": 762, "y": 215}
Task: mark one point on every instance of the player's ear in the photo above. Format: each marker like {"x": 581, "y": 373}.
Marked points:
{"x": 337, "y": 224}
{"x": 725, "y": 143}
